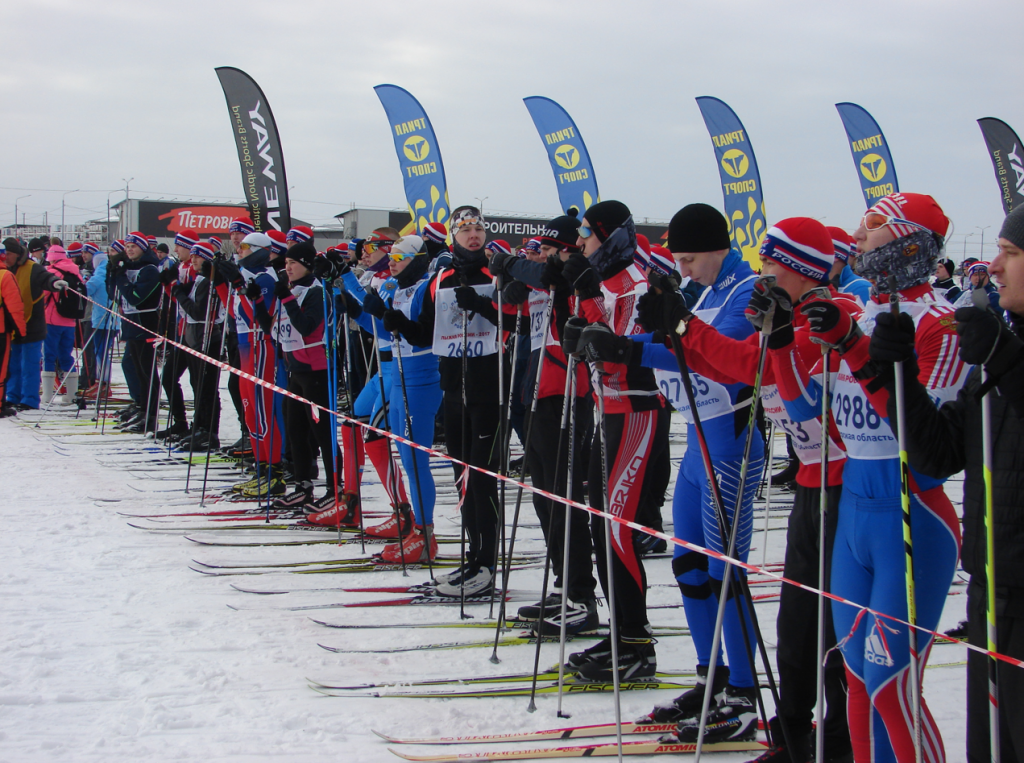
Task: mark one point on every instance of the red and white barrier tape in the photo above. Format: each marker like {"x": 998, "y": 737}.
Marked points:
{"x": 568, "y": 502}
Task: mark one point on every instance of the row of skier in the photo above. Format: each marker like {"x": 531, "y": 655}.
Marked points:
{"x": 616, "y": 347}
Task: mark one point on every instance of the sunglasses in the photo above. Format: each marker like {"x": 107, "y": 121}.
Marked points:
{"x": 877, "y": 220}
{"x": 584, "y": 231}
{"x": 398, "y": 256}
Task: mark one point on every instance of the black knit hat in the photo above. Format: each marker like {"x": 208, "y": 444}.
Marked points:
{"x": 1013, "y": 227}
{"x": 698, "y": 228}
{"x": 303, "y": 253}
{"x": 605, "y": 216}
{"x": 12, "y": 244}
{"x": 36, "y": 245}
{"x": 562, "y": 231}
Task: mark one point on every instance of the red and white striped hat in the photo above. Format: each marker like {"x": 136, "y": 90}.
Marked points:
{"x": 800, "y": 244}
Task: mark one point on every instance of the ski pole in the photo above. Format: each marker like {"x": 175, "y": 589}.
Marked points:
{"x": 466, "y": 316}
{"x": 499, "y": 551}
{"x": 723, "y": 522}
{"x": 274, "y": 345}
{"x": 612, "y": 620}
{"x": 819, "y": 711}
{"x": 566, "y": 423}
{"x": 60, "y": 383}
{"x": 522, "y": 476}
{"x": 570, "y": 477}
{"x": 331, "y": 351}
{"x": 216, "y": 382}
{"x": 387, "y": 428}
{"x": 981, "y": 302}
{"x": 201, "y": 381}
{"x": 348, "y": 368}
{"x": 415, "y": 466}
{"x": 768, "y": 491}
{"x": 733, "y": 533}
{"x": 908, "y": 544}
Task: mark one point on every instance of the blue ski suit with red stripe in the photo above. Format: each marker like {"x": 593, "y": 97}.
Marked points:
{"x": 869, "y": 563}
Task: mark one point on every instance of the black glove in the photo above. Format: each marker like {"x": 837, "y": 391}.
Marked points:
{"x": 229, "y": 272}
{"x": 830, "y": 325}
{"x": 500, "y": 262}
{"x": 986, "y": 340}
{"x": 395, "y": 321}
{"x": 766, "y": 298}
{"x": 571, "y": 333}
{"x": 179, "y": 291}
{"x": 281, "y": 288}
{"x": 467, "y": 299}
{"x": 253, "y": 291}
{"x": 374, "y": 305}
{"x": 322, "y": 268}
{"x": 581, "y": 276}
{"x": 552, "y": 277}
{"x": 118, "y": 262}
{"x": 170, "y": 275}
{"x": 662, "y": 311}
{"x": 515, "y": 293}
{"x": 892, "y": 341}
{"x": 206, "y": 268}
{"x": 600, "y": 343}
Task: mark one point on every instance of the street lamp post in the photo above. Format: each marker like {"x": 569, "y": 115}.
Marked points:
{"x": 981, "y": 253}
{"x": 122, "y": 218}
{"x": 63, "y": 234}
{"x": 480, "y": 201}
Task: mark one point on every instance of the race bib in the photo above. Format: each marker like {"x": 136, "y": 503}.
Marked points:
{"x": 451, "y": 332}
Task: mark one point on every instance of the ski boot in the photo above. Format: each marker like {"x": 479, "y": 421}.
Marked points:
{"x": 689, "y": 703}
{"x": 400, "y": 523}
{"x": 299, "y": 497}
{"x": 414, "y": 548}
{"x": 732, "y": 718}
{"x": 344, "y": 513}
{"x": 637, "y": 662}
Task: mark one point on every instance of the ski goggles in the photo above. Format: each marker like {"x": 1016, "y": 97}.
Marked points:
{"x": 370, "y": 247}
{"x": 873, "y": 220}
{"x": 584, "y": 231}
{"x": 399, "y": 256}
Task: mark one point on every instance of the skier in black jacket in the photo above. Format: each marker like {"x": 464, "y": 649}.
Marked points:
{"x": 471, "y": 431}
{"x": 136, "y": 277}
{"x": 944, "y": 441}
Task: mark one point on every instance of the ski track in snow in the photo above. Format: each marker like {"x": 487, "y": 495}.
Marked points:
{"x": 115, "y": 651}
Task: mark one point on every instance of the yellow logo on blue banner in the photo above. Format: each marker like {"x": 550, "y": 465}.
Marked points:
{"x": 735, "y": 163}
{"x": 567, "y": 156}
{"x": 416, "y": 148}
{"x": 873, "y": 167}
{"x": 747, "y": 230}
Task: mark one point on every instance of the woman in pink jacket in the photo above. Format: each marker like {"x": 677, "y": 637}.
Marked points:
{"x": 60, "y": 332}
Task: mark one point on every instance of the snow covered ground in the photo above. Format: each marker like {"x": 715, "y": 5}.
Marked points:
{"x": 115, "y": 650}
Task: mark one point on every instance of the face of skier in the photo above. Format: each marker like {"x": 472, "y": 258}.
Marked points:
{"x": 197, "y": 262}
{"x": 236, "y": 237}
{"x": 702, "y": 267}
{"x": 1007, "y": 271}
{"x": 133, "y": 251}
{"x": 182, "y": 252}
{"x": 979, "y": 278}
{"x": 471, "y": 236}
{"x": 397, "y": 266}
{"x": 869, "y": 240}
{"x": 791, "y": 283}
{"x": 295, "y": 270}
{"x": 941, "y": 273}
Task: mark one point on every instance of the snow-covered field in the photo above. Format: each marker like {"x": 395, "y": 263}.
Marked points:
{"x": 115, "y": 650}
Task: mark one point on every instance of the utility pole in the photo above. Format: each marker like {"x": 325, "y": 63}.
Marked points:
{"x": 63, "y": 232}
{"x": 16, "y": 212}
{"x": 122, "y": 219}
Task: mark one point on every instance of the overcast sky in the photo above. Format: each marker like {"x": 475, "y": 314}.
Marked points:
{"x": 95, "y": 92}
